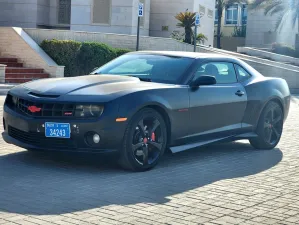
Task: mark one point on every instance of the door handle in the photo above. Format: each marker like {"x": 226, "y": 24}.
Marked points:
{"x": 240, "y": 93}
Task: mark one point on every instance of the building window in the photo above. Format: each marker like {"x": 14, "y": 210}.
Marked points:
{"x": 202, "y": 10}
{"x": 64, "y": 11}
{"x": 142, "y": 18}
{"x": 210, "y": 13}
{"x": 101, "y": 11}
{"x": 244, "y": 14}
{"x": 231, "y": 14}
{"x": 216, "y": 16}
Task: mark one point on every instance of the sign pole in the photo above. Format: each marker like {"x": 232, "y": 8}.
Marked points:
{"x": 197, "y": 23}
{"x": 140, "y": 14}
{"x": 138, "y": 28}
{"x": 195, "y": 35}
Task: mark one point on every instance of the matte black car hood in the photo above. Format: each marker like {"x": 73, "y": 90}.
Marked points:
{"x": 107, "y": 86}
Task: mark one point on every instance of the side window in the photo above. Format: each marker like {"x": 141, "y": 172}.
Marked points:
{"x": 242, "y": 74}
{"x": 224, "y": 72}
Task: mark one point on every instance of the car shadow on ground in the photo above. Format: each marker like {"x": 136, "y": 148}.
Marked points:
{"x": 51, "y": 184}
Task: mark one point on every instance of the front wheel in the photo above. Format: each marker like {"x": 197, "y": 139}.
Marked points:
{"x": 144, "y": 142}
{"x": 270, "y": 127}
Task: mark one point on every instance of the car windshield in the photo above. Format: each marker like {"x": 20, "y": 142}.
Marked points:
{"x": 147, "y": 67}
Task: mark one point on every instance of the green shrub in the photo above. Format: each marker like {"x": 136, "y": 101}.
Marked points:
{"x": 63, "y": 53}
{"x": 284, "y": 50}
{"x": 93, "y": 55}
{"x": 121, "y": 51}
{"x": 80, "y": 58}
{"x": 239, "y": 31}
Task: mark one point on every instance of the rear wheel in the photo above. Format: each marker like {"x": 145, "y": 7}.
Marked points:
{"x": 144, "y": 141}
{"x": 269, "y": 128}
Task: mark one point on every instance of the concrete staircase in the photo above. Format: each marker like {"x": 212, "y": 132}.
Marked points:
{"x": 15, "y": 72}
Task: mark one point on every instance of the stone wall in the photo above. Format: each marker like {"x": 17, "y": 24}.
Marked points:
{"x": 114, "y": 40}
{"x": 21, "y": 13}
{"x": 123, "y": 17}
{"x": 230, "y": 43}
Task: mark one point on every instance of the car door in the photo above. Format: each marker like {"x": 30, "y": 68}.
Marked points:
{"x": 217, "y": 111}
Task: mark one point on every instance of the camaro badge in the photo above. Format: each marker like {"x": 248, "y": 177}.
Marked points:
{"x": 34, "y": 109}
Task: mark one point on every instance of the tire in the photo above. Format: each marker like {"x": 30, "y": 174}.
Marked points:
{"x": 141, "y": 150}
{"x": 270, "y": 127}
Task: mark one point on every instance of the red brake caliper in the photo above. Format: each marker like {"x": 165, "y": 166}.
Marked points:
{"x": 153, "y": 137}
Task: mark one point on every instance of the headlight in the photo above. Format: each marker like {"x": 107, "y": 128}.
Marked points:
{"x": 89, "y": 110}
{"x": 14, "y": 100}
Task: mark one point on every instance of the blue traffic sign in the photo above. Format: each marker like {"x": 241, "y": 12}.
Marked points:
{"x": 140, "y": 10}
{"x": 197, "y": 20}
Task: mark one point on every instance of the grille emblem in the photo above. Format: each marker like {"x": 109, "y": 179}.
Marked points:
{"x": 34, "y": 109}
{"x": 68, "y": 113}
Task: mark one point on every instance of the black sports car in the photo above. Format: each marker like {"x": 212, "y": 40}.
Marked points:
{"x": 144, "y": 102}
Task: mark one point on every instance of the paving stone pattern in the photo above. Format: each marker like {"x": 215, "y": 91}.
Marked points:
{"x": 221, "y": 184}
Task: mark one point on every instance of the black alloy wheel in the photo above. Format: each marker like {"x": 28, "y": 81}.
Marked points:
{"x": 270, "y": 127}
{"x": 144, "y": 142}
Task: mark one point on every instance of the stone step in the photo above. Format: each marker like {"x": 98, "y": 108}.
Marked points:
{"x": 20, "y": 80}
{"x": 22, "y": 70}
{"x": 26, "y": 75}
{"x": 12, "y": 64}
{"x": 4, "y": 59}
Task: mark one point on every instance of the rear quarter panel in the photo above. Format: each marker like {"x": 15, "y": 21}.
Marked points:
{"x": 260, "y": 91}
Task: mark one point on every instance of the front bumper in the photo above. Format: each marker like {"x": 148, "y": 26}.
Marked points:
{"x": 29, "y": 133}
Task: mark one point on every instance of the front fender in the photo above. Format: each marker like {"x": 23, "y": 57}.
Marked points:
{"x": 170, "y": 100}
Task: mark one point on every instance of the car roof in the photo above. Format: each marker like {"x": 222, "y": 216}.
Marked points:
{"x": 195, "y": 55}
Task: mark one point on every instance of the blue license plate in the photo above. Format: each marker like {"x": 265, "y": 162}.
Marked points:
{"x": 58, "y": 130}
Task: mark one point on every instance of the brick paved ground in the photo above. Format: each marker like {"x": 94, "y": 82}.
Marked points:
{"x": 222, "y": 184}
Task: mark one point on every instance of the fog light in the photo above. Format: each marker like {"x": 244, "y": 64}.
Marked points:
{"x": 92, "y": 139}
{"x": 96, "y": 138}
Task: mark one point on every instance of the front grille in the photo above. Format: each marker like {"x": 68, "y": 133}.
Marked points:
{"x": 45, "y": 109}
{"x": 39, "y": 139}
{"x": 40, "y": 109}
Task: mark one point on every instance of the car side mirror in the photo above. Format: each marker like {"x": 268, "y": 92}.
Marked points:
{"x": 204, "y": 80}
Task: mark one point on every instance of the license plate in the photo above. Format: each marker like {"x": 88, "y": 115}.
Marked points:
{"x": 58, "y": 130}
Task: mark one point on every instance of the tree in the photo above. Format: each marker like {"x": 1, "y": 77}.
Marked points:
{"x": 220, "y": 6}
{"x": 280, "y": 7}
{"x": 187, "y": 21}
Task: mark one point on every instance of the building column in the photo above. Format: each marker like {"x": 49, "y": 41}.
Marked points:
{"x": 2, "y": 73}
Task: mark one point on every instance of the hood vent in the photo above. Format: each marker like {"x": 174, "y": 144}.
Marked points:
{"x": 43, "y": 96}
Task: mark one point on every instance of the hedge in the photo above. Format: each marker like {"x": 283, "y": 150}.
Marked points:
{"x": 80, "y": 58}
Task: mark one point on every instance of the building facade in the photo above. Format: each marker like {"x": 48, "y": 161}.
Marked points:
{"x": 233, "y": 17}
{"x": 262, "y": 32}
{"x": 107, "y": 16}
{"x": 163, "y": 22}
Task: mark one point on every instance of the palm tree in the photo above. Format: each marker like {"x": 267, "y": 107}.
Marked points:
{"x": 201, "y": 38}
{"x": 280, "y": 7}
{"x": 220, "y": 6}
{"x": 187, "y": 21}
